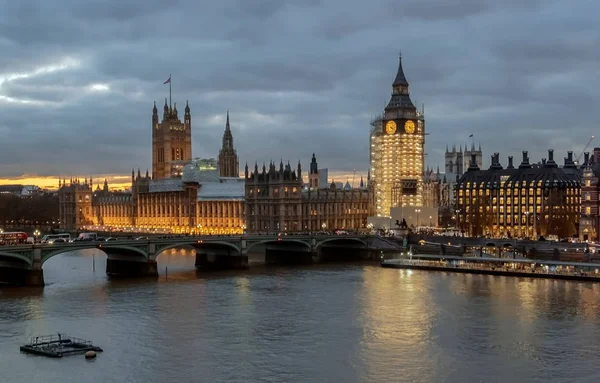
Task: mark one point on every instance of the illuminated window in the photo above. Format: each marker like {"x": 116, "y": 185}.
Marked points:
{"x": 588, "y": 210}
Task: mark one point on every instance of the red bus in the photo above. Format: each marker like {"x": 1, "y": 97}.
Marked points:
{"x": 13, "y": 238}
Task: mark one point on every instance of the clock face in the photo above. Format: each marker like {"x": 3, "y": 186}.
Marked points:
{"x": 390, "y": 127}
{"x": 409, "y": 127}
{"x": 176, "y": 127}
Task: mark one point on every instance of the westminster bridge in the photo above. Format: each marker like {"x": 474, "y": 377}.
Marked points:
{"x": 23, "y": 264}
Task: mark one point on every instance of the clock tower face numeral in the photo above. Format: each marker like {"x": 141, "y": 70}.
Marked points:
{"x": 409, "y": 126}
{"x": 390, "y": 127}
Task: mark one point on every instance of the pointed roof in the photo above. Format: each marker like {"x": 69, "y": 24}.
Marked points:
{"x": 227, "y": 122}
{"x": 400, "y": 79}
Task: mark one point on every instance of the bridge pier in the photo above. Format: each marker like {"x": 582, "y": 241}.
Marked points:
{"x": 220, "y": 260}
{"x": 21, "y": 277}
{"x": 287, "y": 256}
{"x": 129, "y": 268}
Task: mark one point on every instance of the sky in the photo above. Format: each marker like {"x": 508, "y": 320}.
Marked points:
{"x": 78, "y": 79}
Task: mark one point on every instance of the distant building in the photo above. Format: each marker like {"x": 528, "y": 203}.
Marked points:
{"x": 278, "y": 200}
{"x": 457, "y": 162}
{"x": 20, "y": 190}
{"x": 523, "y": 202}
{"x": 397, "y": 155}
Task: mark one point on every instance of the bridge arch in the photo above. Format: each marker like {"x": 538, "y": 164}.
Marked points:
{"x": 276, "y": 241}
{"x": 341, "y": 239}
{"x": 17, "y": 256}
{"x": 103, "y": 248}
{"x": 195, "y": 245}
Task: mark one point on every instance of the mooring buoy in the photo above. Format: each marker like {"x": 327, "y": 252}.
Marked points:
{"x": 90, "y": 354}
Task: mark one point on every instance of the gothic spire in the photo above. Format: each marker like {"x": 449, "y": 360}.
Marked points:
{"x": 227, "y": 122}
{"x": 400, "y": 79}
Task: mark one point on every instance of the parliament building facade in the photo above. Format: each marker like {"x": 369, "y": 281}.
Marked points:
{"x": 207, "y": 196}
{"x": 181, "y": 195}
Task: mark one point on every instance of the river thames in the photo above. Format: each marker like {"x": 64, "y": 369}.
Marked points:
{"x": 323, "y": 323}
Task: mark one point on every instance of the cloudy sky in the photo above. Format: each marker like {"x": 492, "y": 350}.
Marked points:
{"x": 78, "y": 78}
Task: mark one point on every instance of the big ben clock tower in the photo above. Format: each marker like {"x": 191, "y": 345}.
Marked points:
{"x": 397, "y": 155}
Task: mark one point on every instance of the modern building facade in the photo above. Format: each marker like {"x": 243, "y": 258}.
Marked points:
{"x": 397, "y": 151}
{"x": 523, "y": 202}
{"x": 277, "y": 200}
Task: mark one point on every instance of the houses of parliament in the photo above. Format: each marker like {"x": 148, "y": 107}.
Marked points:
{"x": 183, "y": 194}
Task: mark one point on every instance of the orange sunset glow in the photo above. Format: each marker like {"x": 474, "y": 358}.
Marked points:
{"x": 122, "y": 182}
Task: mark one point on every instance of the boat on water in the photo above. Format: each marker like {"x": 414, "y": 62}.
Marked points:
{"x": 57, "y": 346}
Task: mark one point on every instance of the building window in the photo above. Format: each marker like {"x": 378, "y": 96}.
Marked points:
{"x": 588, "y": 210}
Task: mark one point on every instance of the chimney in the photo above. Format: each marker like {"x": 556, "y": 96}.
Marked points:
{"x": 586, "y": 158}
{"x": 525, "y": 163}
{"x": 550, "y": 163}
{"x": 473, "y": 163}
{"x": 496, "y": 161}
{"x": 510, "y": 163}
{"x": 570, "y": 156}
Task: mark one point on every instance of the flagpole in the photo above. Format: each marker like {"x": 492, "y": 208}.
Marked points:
{"x": 170, "y": 81}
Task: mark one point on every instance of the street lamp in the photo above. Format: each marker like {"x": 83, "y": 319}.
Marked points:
{"x": 243, "y": 228}
{"x": 36, "y": 234}
{"x": 417, "y": 211}
{"x": 324, "y": 226}
{"x": 429, "y": 221}
{"x": 370, "y": 226}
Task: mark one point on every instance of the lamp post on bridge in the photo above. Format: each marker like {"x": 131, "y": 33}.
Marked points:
{"x": 36, "y": 234}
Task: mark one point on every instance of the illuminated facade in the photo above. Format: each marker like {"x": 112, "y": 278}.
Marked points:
{"x": 278, "y": 200}
{"x": 523, "y": 202}
{"x": 396, "y": 153}
{"x": 171, "y": 141}
{"x": 182, "y": 196}
{"x": 589, "y": 223}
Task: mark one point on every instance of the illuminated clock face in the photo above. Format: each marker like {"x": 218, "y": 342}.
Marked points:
{"x": 390, "y": 127}
{"x": 409, "y": 127}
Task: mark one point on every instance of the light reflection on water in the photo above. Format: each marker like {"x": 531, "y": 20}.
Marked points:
{"x": 346, "y": 323}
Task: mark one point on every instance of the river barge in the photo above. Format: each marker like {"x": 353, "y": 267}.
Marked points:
{"x": 57, "y": 346}
{"x": 512, "y": 267}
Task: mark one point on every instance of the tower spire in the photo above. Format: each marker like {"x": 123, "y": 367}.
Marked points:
{"x": 227, "y": 122}
{"x": 400, "y": 79}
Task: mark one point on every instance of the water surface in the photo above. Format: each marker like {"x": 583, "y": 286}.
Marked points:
{"x": 332, "y": 323}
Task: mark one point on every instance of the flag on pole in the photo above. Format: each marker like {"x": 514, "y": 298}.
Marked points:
{"x": 168, "y": 81}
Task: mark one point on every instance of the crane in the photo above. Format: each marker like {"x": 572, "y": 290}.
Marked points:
{"x": 586, "y": 146}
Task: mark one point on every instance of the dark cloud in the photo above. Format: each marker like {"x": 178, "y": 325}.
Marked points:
{"x": 78, "y": 78}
